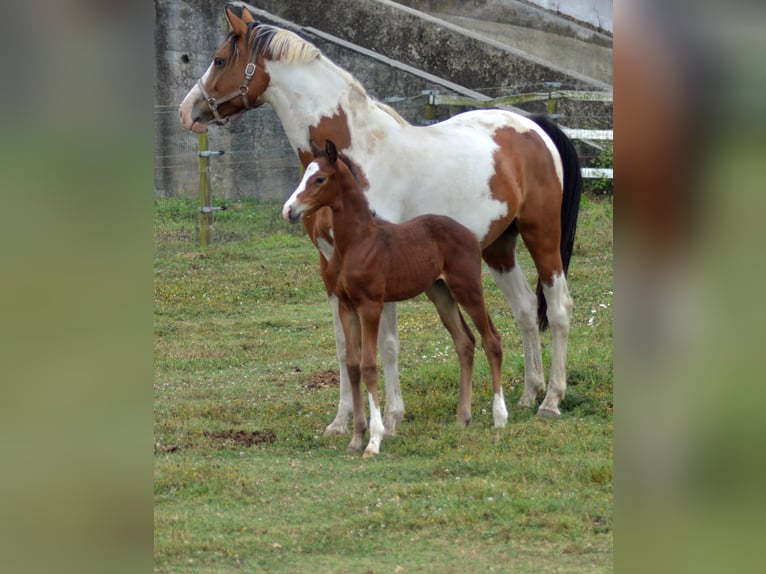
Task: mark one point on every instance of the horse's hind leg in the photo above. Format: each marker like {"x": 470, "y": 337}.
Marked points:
{"x": 466, "y": 288}
{"x": 543, "y": 244}
{"x": 464, "y": 343}
{"x": 388, "y": 348}
{"x": 559, "y": 310}
{"x": 509, "y": 277}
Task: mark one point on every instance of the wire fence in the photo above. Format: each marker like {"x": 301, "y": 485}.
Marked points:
{"x": 259, "y": 162}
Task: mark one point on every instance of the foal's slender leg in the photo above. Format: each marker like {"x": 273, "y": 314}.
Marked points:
{"x": 353, "y": 336}
{"x": 467, "y": 290}
{"x": 464, "y": 343}
{"x": 388, "y": 348}
{"x": 509, "y": 277}
{"x": 369, "y": 314}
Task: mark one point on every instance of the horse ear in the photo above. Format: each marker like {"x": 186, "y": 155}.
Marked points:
{"x": 247, "y": 17}
{"x": 237, "y": 21}
{"x": 331, "y": 151}
{"x": 315, "y": 151}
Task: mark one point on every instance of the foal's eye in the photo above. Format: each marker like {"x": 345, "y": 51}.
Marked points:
{"x": 320, "y": 180}
{"x": 218, "y": 62}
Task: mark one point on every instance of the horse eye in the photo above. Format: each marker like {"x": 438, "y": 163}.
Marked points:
{"x": 218, "y": 62}
{"x": 320, "y": 180}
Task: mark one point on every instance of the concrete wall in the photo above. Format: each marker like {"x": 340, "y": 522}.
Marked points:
{"x": 259, "y": 161}
{"x": 586, "y": 20}
{"x": 597, "y": 13}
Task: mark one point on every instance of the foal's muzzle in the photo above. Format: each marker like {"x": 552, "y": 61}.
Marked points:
{"x": 293, "y": 213}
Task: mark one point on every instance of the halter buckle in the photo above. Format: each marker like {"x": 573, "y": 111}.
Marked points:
{"x": 249, "y": 70}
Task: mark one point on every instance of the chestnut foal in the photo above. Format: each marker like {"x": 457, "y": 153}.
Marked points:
{"x": 375, "y": 262}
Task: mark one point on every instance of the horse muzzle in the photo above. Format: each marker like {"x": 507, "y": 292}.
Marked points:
{"x": 292, "y": 213}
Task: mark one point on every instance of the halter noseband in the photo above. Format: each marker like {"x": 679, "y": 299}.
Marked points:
{"x": 244, "y": 87}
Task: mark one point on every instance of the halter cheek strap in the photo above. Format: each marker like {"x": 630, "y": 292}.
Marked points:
{"x": 242, "y": 91}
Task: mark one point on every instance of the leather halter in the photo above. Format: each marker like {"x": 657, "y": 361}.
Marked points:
{"x": 244, "y": 87}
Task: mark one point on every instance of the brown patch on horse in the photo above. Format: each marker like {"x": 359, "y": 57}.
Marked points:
{"x": 336, "y": 127}
{"x": 525, "y": 177}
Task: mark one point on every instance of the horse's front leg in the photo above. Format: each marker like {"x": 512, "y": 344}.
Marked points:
{"x": 353, "y": 338}
{"x": 370, "y": 320}
{"x": 388, "y": 348}
{"x": 345, "y": 403}
{"x": 523, "y": 302}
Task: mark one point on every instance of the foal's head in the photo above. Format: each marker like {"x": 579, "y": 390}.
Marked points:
{"x": 320, "y": 185}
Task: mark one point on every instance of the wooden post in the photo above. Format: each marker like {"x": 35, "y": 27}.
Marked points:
{"x": 429, "y": 114}
{"x": 205, "y": 214}
{"x": 553, "y": 99}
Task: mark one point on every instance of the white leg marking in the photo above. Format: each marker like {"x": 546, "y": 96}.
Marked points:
{"x": 345, "y": 403}
{"x": 523, "y": 303}
{"x": 376, "y": 429}
{"x": 499, "y": 412}
{"x": 559, "y": 311}
{"x": 388, "y": 348}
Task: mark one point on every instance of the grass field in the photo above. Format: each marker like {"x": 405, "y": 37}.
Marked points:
{"x": 246, "y": 380}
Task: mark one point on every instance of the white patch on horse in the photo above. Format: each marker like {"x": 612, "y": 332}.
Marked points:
{"x": 499, "y": 412}
{"x": 432, "y": 157}
{"x": 292, "y": 202}
{"x": 325, "y": 247}
{"x": 194, "y": 95}
{"x": 376, "y": 429}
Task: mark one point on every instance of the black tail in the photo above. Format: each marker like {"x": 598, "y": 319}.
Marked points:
{"x": 570, "y": 205}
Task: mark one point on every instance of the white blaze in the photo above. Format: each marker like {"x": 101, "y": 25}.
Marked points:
{"x": 312, "y": 168}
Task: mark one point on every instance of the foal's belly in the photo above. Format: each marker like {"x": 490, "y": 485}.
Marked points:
{"x": 408, "y": 279}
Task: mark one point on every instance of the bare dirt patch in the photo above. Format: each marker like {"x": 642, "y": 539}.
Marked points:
{"x": 322, "y": 380}
{"x": 239, "y": 438}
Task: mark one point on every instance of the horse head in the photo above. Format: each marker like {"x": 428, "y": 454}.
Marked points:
{"x": 318, "y": 187}
{"x": 236, "y": 78}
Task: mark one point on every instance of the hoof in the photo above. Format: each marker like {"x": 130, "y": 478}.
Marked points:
{"x": 369, "y": 454}
{"x": 391, "y": 423}
{"x": 353, "y": 449}
{"x": 526, "y": 402}
{"x": 547, "y": 414}
{"x": 335, "y": 428}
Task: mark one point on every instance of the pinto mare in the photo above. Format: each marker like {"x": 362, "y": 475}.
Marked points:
{"x": 375, "y": 262}
{"x": 499, "y": 173}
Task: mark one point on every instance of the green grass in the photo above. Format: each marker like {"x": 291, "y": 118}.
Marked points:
{"x": 243, "y": 342}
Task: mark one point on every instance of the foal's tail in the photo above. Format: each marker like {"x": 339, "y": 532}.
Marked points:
{"x": 570, "y": 204}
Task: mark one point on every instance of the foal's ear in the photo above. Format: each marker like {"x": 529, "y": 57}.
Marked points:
{"x": 315, "y": 150}
{"x": 331, "y": 151}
